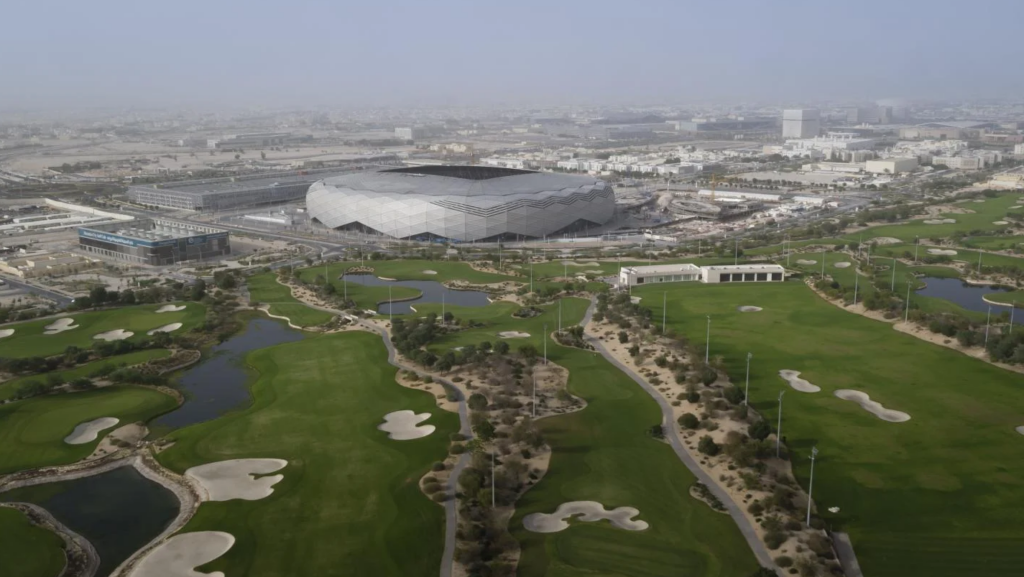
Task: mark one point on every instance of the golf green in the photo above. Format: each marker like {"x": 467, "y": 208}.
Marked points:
{"x": 264, "y": 288}
{"x": 32, "y": 431}
{"x": 28, "y": 550}
{"x": 349, "y": 502}
{"x": 936, "y": 495}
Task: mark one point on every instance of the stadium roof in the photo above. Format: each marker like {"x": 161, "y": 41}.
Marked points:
{"x": 462, "y": 181}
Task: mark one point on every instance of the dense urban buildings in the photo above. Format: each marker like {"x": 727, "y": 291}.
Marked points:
{"x": 154, "y": 241}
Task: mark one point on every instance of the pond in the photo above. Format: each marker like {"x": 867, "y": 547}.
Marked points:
{"x": 220, "y": 383}
{"x": 956, "y": 291}
{"x": 118, "y": 511}
{"x": 430, "y": 292}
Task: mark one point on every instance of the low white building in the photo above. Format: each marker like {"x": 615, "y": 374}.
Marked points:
{"x": 1018, "y": 149}
{"x": 659, "y": 273}
{"x": 742, "y": 273}
{"x": 739, "y": 195}
{"x": 891, "y": 165}
{"x": 688, "y": 272}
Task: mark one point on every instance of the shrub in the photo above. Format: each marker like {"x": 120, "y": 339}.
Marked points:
{"x": 784, "y": 561}
{"x": 457, "y": 449}
{"x": 688, "y": 421}
{"x": 456, "y": 437}
{"x": 431, "y": 488}
{"x": 437, "y": 466}
{"x": 693, "y": 396}
{"x": 774, "y": 539}
{"x": 755, "y": 509}
{"x": 708, "y": 446}
{"x": 440, "y": 497}
{"x": 477, "y": 402}
{"x": 759, "y": 430}
{"x": 623, "y": 337}
{"x": 734, "y": 395}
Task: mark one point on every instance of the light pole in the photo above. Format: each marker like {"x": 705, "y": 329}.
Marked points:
{"x": 707, "y": 347}
{"x": 1013, "y": 307}
{"x": 917, "y": 242}
{"x": 746, "y": 391}
{"x": 979, "y": 263}
{"x": 810, "y": 486}
{"x": 856, "y": 284}
{"x": 893, "y": 287}
{"x": 559, "y": 316}
{"x": 822, "y": 264}
{"x": 906, "y": 312}
{"x": 664, "y": 310}
{"x": 545, "y": 343}
{"x": 390, "y": 310}
{"x": 988, "y": 318}
{"x": 531, "y": 276}
{"x": 736, "y": 253}
{"x": 443, "y": 323}
{"x": 778, "y": 430}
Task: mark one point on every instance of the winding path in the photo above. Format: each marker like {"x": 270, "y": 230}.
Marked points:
{"x": 760, "y": 551}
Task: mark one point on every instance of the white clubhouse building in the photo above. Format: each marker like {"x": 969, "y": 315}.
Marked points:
{"x": 661, "y": 273}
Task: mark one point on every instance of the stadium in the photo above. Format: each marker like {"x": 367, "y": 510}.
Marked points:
{"x": 461, "y": 203}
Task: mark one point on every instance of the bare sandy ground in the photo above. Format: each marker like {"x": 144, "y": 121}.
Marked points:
{"x": 513, "y": 335}
{"x": 806, "y": 262}
{"x": 6, "y": 333}
{"x": 170, "y": 309}
{"x": 939, "y": 221}
{"x": 589, "y": 511}
{"x": 872, "y": 407}
{"x": 942, "y": 251}
{"x": 749, "y": 309}
{"x": 1000, "y": 222}
{"x": 235, "y": 478}
{"x": 182, "y": 553}
{"x": 60, "y": 325}
{"x": 404, "y": 425}
{"x": 798, "y": 384}
{"x": 131, "y": 433}
{"x": 114, "y": 335}
{"x": 165, "y": 329}
{"x": 88, "y": 431}
{"x": 843, "y": 264}
{"x": 430, "y": 272}
{"x": 883, "y": 240}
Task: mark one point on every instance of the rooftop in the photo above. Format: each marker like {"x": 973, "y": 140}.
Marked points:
{"x": 662, "y": 268}
{"x": 465, "y": 172}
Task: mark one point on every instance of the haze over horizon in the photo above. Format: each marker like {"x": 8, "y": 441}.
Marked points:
{"x": 312, "y": 53}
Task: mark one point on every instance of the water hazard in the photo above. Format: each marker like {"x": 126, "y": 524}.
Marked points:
{"x": 431, "y": 292}
{"x": 956, "y": 291}
{"x": 220, "y": 383}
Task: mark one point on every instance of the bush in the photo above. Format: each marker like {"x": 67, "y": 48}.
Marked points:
{"x": 755, "y": 509}
{"x": 437, "y": 466}
{"x": 693, "y": 397}
{"x": 688, "y": 421}
{"x": 734, "y": 395}
{"x": 774, "y": 539}
{"x": 431, "y": 488}
{"x": 456, "y": 437}
{"x": 477, "y": 402}
{"x": 784, "y": 561}
{"x": 708, "y": 446}
{"x": 759, "y": 430}
{"x": 623, "y": 337}
{"x": 440, "y": 497}
{"x": 457, "y": 449}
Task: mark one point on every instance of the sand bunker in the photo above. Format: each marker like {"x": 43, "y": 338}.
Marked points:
{"x": 1020, "y": 430}
{"x": 594, "y": 271}
{"x": 843, "y": 264}
{"x": 979, "y": 200}
{"x": 114, "y": 335}
{"x": 872, "y": 407}
{"x": 806, "y": 262}
{"x": 6, "y": 333}
{"x": 513, "y": 335}
{"x": 573, "y": 263}
{"x": 589, "y": 511}
{"x": 1016, "y": 206}
{"x": 59, "y": 326}
{"x": 794, "y": 380}
{"x": 88, "y": 431}
{"x": 886, "y": 240}
{"x": 939, "y": 221}
{"x": 1000, "y": 222}
{"x": 749, "y": 309}
{"x": 404, "y": 425}
{"x": 430, "y": 272}
{"x": 941, "y": 251}
{"x": 235, "y": 479}
{"x": 165, "y": 329}
{"x": 179, "y": 555}
{"x": 170, "y": 309}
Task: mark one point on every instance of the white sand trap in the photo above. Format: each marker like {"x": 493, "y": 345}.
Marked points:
{"x": 872, "y": 407}
{"x": 635, "y": 300}
{"x": 1000, "y": 222}
{"x": 939, "y": 221}
{"x": 979, "y": 200}
{"x": 404, "y": 425}
{"x": 942, "y": 251}
{"x": 1016, "y": 206}
{"x": 165, "y": 329}
{"x": 842, "y": 264}
{"x": 235, "y": 479}
{"x": 179, "y": 555}
{"x": 886, "y": 240}
{"x": 1020, "y": 429}
{"x": 430, "y": 272}
{"x": 573, "y": 263}
{"x": 806, "y": 262}
{"x": 60, "y": 325}
{"x": 594, "y": 271}
{"x": 749, "y": 309}
{"x": 589, "y": 511}
{"x": 513, "y": 335}
{"x": 4, "y": 333}
{"x": 88, "y": 431}
{"x": 794, "y": 380}
{"x": 114, "y": 335}
{"x": 170, "y": 309}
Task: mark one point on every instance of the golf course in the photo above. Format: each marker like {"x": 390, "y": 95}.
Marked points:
{"x": 37, "y": 550}
{"x": 9, "y": 388}
{"x": 893, "y": 482}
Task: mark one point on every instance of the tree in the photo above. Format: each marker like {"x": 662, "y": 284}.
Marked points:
{"x": 759, "y": 430}
{"x": 98, "y": 295}
{"x": 529, "y": 352}
{"x": 734, "y": 395}
{"x": 708, "y": 446}
{"x": 477, "y": 402}
{"x": 688, "y": 421}
{"x": 501, "y": 348}
{"x": 198, "y": 290}
{"x": 484, "y": 430}
{"x": 623, "y": 337}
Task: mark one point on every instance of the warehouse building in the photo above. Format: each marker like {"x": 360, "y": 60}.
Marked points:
{"x": 154, "y": 241}
{"x": 687, "y": 272}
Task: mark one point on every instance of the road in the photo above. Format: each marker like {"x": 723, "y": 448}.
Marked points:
{"x": 61, "y": 299}
{"x": 746, "y": 528}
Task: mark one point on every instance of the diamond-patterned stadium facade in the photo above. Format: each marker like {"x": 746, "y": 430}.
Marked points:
{"x": 461, "y": 203}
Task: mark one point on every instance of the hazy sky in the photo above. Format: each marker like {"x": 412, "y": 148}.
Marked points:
{"x": 59, "y": 53}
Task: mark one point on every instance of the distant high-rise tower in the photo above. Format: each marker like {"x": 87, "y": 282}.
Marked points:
{"x": 801, "y": 123}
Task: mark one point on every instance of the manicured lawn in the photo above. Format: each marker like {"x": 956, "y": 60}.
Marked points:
{"x": 28, "y": 550}
{"x": 8, "y": 388}
{"x": 936, "y": 495}
{"x": 264, "y": 288}
{"x": 985, "y": 214}
{"x": 994, "y": 242}
{"x": 962, "y": 254}
{"x": 32, "y": 431}
{"x": 349, "y": 503}
{"x": 28, "y": 339}
{"x": 412, "y": 269}
{"x": 365, "y": 297}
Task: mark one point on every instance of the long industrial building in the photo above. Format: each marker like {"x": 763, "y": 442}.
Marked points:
{"x": 461, "y": 203}
{"x": 154, "y": 241}
{"x": 688, "y": 272}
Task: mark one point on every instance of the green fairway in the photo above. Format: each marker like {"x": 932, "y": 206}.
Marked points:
{"x": 1013, "y": 243}
{"x": 350, "y": 502}
{"x": 32, "y": 431}
{"x": 964, "y": 255}
{"x": 365, "y": 297}
{"x": 982, "y": 219}
{"x": 27, "y": 550}
{"x": 936, "y": 495}
{"x": 29, "y": 341}
{"x": 413, "y": 269}
{"x": 264, "y": 288}
{"x": 9, "y": 388}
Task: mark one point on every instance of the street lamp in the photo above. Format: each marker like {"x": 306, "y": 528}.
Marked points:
{"x": 746, "y": 391}
{"x": 893, "y": 287}
{"x": 988, "y": 318}
{"x": 778, "y": 430}
{"x": 664, "y": 309}
{"x": 707, "y": 346}
{"x": 390, "y": 309}
{"x": 810, "y": 487}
